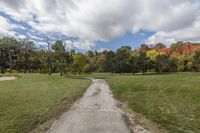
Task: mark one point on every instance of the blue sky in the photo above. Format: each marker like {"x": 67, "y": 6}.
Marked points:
{"x": 129, "y": 39}
{"x": 101, "y": 24}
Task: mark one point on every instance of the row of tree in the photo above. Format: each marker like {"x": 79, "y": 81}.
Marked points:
{"x": 25, "y": 56}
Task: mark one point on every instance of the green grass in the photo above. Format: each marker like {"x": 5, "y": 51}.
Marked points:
{"x": 33, "y": 99}
{"x": 171, "y": 100}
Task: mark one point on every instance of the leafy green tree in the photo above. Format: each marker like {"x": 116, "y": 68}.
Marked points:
{"x": 90, "y": 54}
{"x": 174, "y": 46}
{"x": 39, "y": 61}
{"x": 59, "y": 54}
{"x": 144, "y": 48}
{"x": 49, "y": 55}
{"x": 159, "y": 46}
{"x": 161, "y": 62}
{"x": 122, "y": 59}
{"x": 91, "y": 59}
{"x": 143, "y": 62}
{"x": 109, "y": 64}
{"x": 79, "y": 62}
{"x": 26, "y": 53}
{"x": 165, "y": 64}
{"x": 69, "y": 60}
{"x": 9, "y": 52}
{"x": 133, "y": 62}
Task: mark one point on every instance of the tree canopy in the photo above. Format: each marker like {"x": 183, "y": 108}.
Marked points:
{"x": 25, "y": 56}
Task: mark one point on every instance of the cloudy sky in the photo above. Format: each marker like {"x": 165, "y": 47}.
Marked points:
{"x": 101, "y": 24}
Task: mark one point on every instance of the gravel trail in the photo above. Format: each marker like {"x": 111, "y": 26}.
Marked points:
{"x": 95, "y": 112}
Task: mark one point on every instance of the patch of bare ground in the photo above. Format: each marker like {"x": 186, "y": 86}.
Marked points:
{"x": 3, "y": 78}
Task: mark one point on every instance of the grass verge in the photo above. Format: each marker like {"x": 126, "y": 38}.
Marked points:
{"x": 171, "y": 100}
{"x": 32, "y": 99}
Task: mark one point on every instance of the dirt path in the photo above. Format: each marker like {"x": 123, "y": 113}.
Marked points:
{"x": 95, "y": 112}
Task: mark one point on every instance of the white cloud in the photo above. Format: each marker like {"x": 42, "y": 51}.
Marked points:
{"x": 191, "y": 33}
{"x": 5, "y": 26}
{"x": 83, "y": 44}
{"x": 156, "y": 38}
{"x": 69, "y": 44}
{"x": 93, "y": 20}
{"x": 21, "y": 36}
{"x": 103, "y": 49}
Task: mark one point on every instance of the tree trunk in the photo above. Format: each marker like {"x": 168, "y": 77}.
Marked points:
{"x": 2, "y": 70}
{"x": 10, "y": 58}
{"x": 49, "y": 69}
{"x": 61, "y": 71}
{"x": 112, "y": 73}
{"x": 143, "y": 71}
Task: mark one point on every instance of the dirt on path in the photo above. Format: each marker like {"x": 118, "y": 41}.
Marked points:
{"x": 95, "y": 112}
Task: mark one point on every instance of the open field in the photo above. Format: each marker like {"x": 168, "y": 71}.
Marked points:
{"x": 33, "y": 99}
{"x": 171, "y": 100}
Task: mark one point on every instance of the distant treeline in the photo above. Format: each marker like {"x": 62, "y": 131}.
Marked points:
{"x": 24, "y": 56}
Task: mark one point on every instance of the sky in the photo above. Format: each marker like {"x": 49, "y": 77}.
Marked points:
{"x": 101, "y": 24}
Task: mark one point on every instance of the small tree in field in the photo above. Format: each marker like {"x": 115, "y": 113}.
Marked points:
{"x": 122, "y": 59}
{"x": 59, "y": 53}
{"x": 162, "y": 63}
{"x": 143, "y": 62}
{"x": 9, "y": 52}
{"x": 27, "y": 49}
{"x": 79, "y": 62}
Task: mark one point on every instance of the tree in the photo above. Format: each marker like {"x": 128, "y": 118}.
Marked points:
{"x": 69, "y": 59}
{"x": 174, "y": 46}
{"x": 91, "y": 59}
{"x": 152, "y": 54}
{"x": 144, "y": 48}
{"x": 159, "y": 46}
{"x": 49, "y": 55}
{"x": 9, "y": 52}
{"x": 100, "y": 61}
{"x": 90, "y": 54}
{"x": 39, "y": 60}
{"x": 122, "y": 59}
{"x": 79, "y": 62}
{"x": 25, "y": 56}
{"x": 196, "y": 59}
{"x": 165, "y": 51}
{"x": 133, "y": 63}
{"x": 59, "y": 53}
{"x": 143, "y": 62}
{"x": 108, "y": 65}
{"x": 161, "y": 62}
{"x": 27, "y": 49}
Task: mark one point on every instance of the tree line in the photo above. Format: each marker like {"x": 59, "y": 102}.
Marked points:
{"x": 24, "y": 56}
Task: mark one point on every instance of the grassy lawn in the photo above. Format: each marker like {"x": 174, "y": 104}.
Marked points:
{"x": 171, "y": 100}
{"x": 33, "y": 99}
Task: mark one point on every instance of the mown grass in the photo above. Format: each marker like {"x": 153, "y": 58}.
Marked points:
{"x": 33, "y": 99}
{"x": 171, "y": 100}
